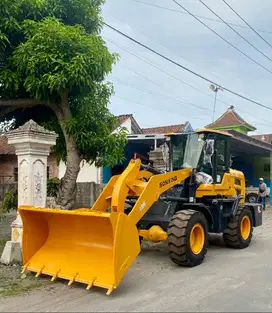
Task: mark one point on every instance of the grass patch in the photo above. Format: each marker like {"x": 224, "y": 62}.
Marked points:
{"x": 2, "y": 244}
{"x": 12, "y": 282}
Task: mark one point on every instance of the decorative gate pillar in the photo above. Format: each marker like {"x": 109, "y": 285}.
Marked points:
{"x": 32, "y": 147}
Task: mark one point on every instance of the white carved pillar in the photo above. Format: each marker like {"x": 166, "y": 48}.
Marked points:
{"x": 32, "y": 144}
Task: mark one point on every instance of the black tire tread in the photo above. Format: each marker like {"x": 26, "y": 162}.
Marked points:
{"x": 232, "y": 235}
{"x": 177, "y": 239}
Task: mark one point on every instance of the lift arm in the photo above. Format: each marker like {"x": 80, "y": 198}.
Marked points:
{"x": 143, "y": 184}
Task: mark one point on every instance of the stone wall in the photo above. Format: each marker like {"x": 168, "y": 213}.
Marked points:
{"x": 86, "y": 195}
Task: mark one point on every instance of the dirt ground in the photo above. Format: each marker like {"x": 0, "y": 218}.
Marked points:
{"x": 227, "y": 281}
{"x": 12, "y": 282}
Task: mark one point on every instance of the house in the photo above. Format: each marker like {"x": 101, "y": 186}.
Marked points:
{"x": 231, "y": 120}
{"x": 249, "y": 154}
{"x": 265, "y": 137}
{"x": 9, "y": 167}
{"x": 180, "y": 128}
{"x": 88, "y": 173}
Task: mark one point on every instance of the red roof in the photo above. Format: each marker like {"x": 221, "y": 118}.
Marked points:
{"x": 229, "y": 118}
{"x": 265, "y": 137}
{"x": 5, "y": 148}
{"x": 124, "y": 117}
{"x": 164, "y": 129}
{"x": 136, "y": 129}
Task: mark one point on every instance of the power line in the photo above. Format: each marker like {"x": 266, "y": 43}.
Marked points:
{"x": 267, "y": 123}
{"x": 217, "y": 34}
{"x": 236, "y": 32}
{"x": 165, "y": 72}
{"x": 255, "y": 31}
{"x": 200, "y": 16}
{"x": 158, "y": 94}
{"x": 187, "y": 69}
{"x": 171, "y": 75}
{"x": 155, "y": 108}
{"x": 146, "y": 61}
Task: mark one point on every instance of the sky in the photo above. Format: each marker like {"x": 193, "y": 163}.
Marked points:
{"x": 159, "y": 93}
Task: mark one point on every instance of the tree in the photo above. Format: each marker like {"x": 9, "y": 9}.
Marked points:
{"x": 53, "y": 66}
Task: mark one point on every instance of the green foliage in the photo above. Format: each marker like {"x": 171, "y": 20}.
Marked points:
{"x": 51, "y": 50}
{"x": 52, "y": 187}
{"x": 47, "y": 68}
{"x": 10, "y": 201}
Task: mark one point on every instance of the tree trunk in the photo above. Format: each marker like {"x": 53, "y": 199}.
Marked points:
{"x": 67, "y": 189}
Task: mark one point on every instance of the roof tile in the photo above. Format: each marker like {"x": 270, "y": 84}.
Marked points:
{"x": 229, "y": 118}
{"x": 164, "y": 129}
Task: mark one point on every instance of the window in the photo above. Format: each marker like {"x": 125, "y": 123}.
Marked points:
{"x": 220, "y": 159}
{"x": 48, "y": 172}
{"x": 220, "y": 152}
{"x": 15, "y": 174}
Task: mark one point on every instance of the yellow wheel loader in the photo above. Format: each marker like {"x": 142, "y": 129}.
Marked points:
{"x": 96, "y": 246}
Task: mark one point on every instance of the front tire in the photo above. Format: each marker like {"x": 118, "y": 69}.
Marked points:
{"x": 239, "y": 229}
{"x": 188, "y": 238}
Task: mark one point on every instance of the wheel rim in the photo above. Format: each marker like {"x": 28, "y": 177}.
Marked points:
{"x": 252, "y": 199}
{"x": 197, "y": 238}
{"x": 245, "y": 227}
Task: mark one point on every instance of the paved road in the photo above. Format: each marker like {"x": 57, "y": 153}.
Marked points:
{"x": 228, "y": 280}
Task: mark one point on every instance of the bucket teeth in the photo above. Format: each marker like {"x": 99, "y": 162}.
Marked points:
{"x": 39, "y": 272}
{"x": 110, "y": 290}
{"x": 55, "y": 276}
{"x": 90, "y": 284}
{"x": 24, "y": 268}
{"x": 72, "y": 280}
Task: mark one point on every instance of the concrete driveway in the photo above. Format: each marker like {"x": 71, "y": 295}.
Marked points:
{"x": 228, "y": 280}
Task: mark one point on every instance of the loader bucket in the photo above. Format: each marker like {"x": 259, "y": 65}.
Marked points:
{"x": 90, "y": 247}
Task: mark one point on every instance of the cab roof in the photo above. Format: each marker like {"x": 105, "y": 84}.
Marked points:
{"x": 207, "y": 130}
{"x": 203, "y": 130}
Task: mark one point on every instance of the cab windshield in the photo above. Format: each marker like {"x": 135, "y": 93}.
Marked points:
{"x": 186, "y": 150}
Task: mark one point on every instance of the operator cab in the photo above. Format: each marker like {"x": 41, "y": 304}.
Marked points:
{"x": 206, "y": 151}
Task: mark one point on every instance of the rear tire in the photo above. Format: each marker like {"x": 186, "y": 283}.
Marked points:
{"x": 188, "y": 238}
{"x": 239, "y": 229}
{"x": 251, "y": 198}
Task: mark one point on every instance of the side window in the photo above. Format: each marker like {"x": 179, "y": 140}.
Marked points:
{"x": 220, "y": 152}
{"x": 220, "y": 159}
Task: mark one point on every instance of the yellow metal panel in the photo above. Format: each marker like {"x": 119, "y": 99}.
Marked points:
{"x": 207, "y": 130}
{"x": 79, "y": 246}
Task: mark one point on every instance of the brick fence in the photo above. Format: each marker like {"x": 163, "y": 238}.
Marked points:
{"x": 86, "y": 194}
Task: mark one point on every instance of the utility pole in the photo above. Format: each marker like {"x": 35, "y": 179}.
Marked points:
{"x": 215, "y": 89}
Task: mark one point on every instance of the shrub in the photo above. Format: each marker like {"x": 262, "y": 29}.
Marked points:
{"x": 52, "y": 187}
{"x": 10, "y": 201}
